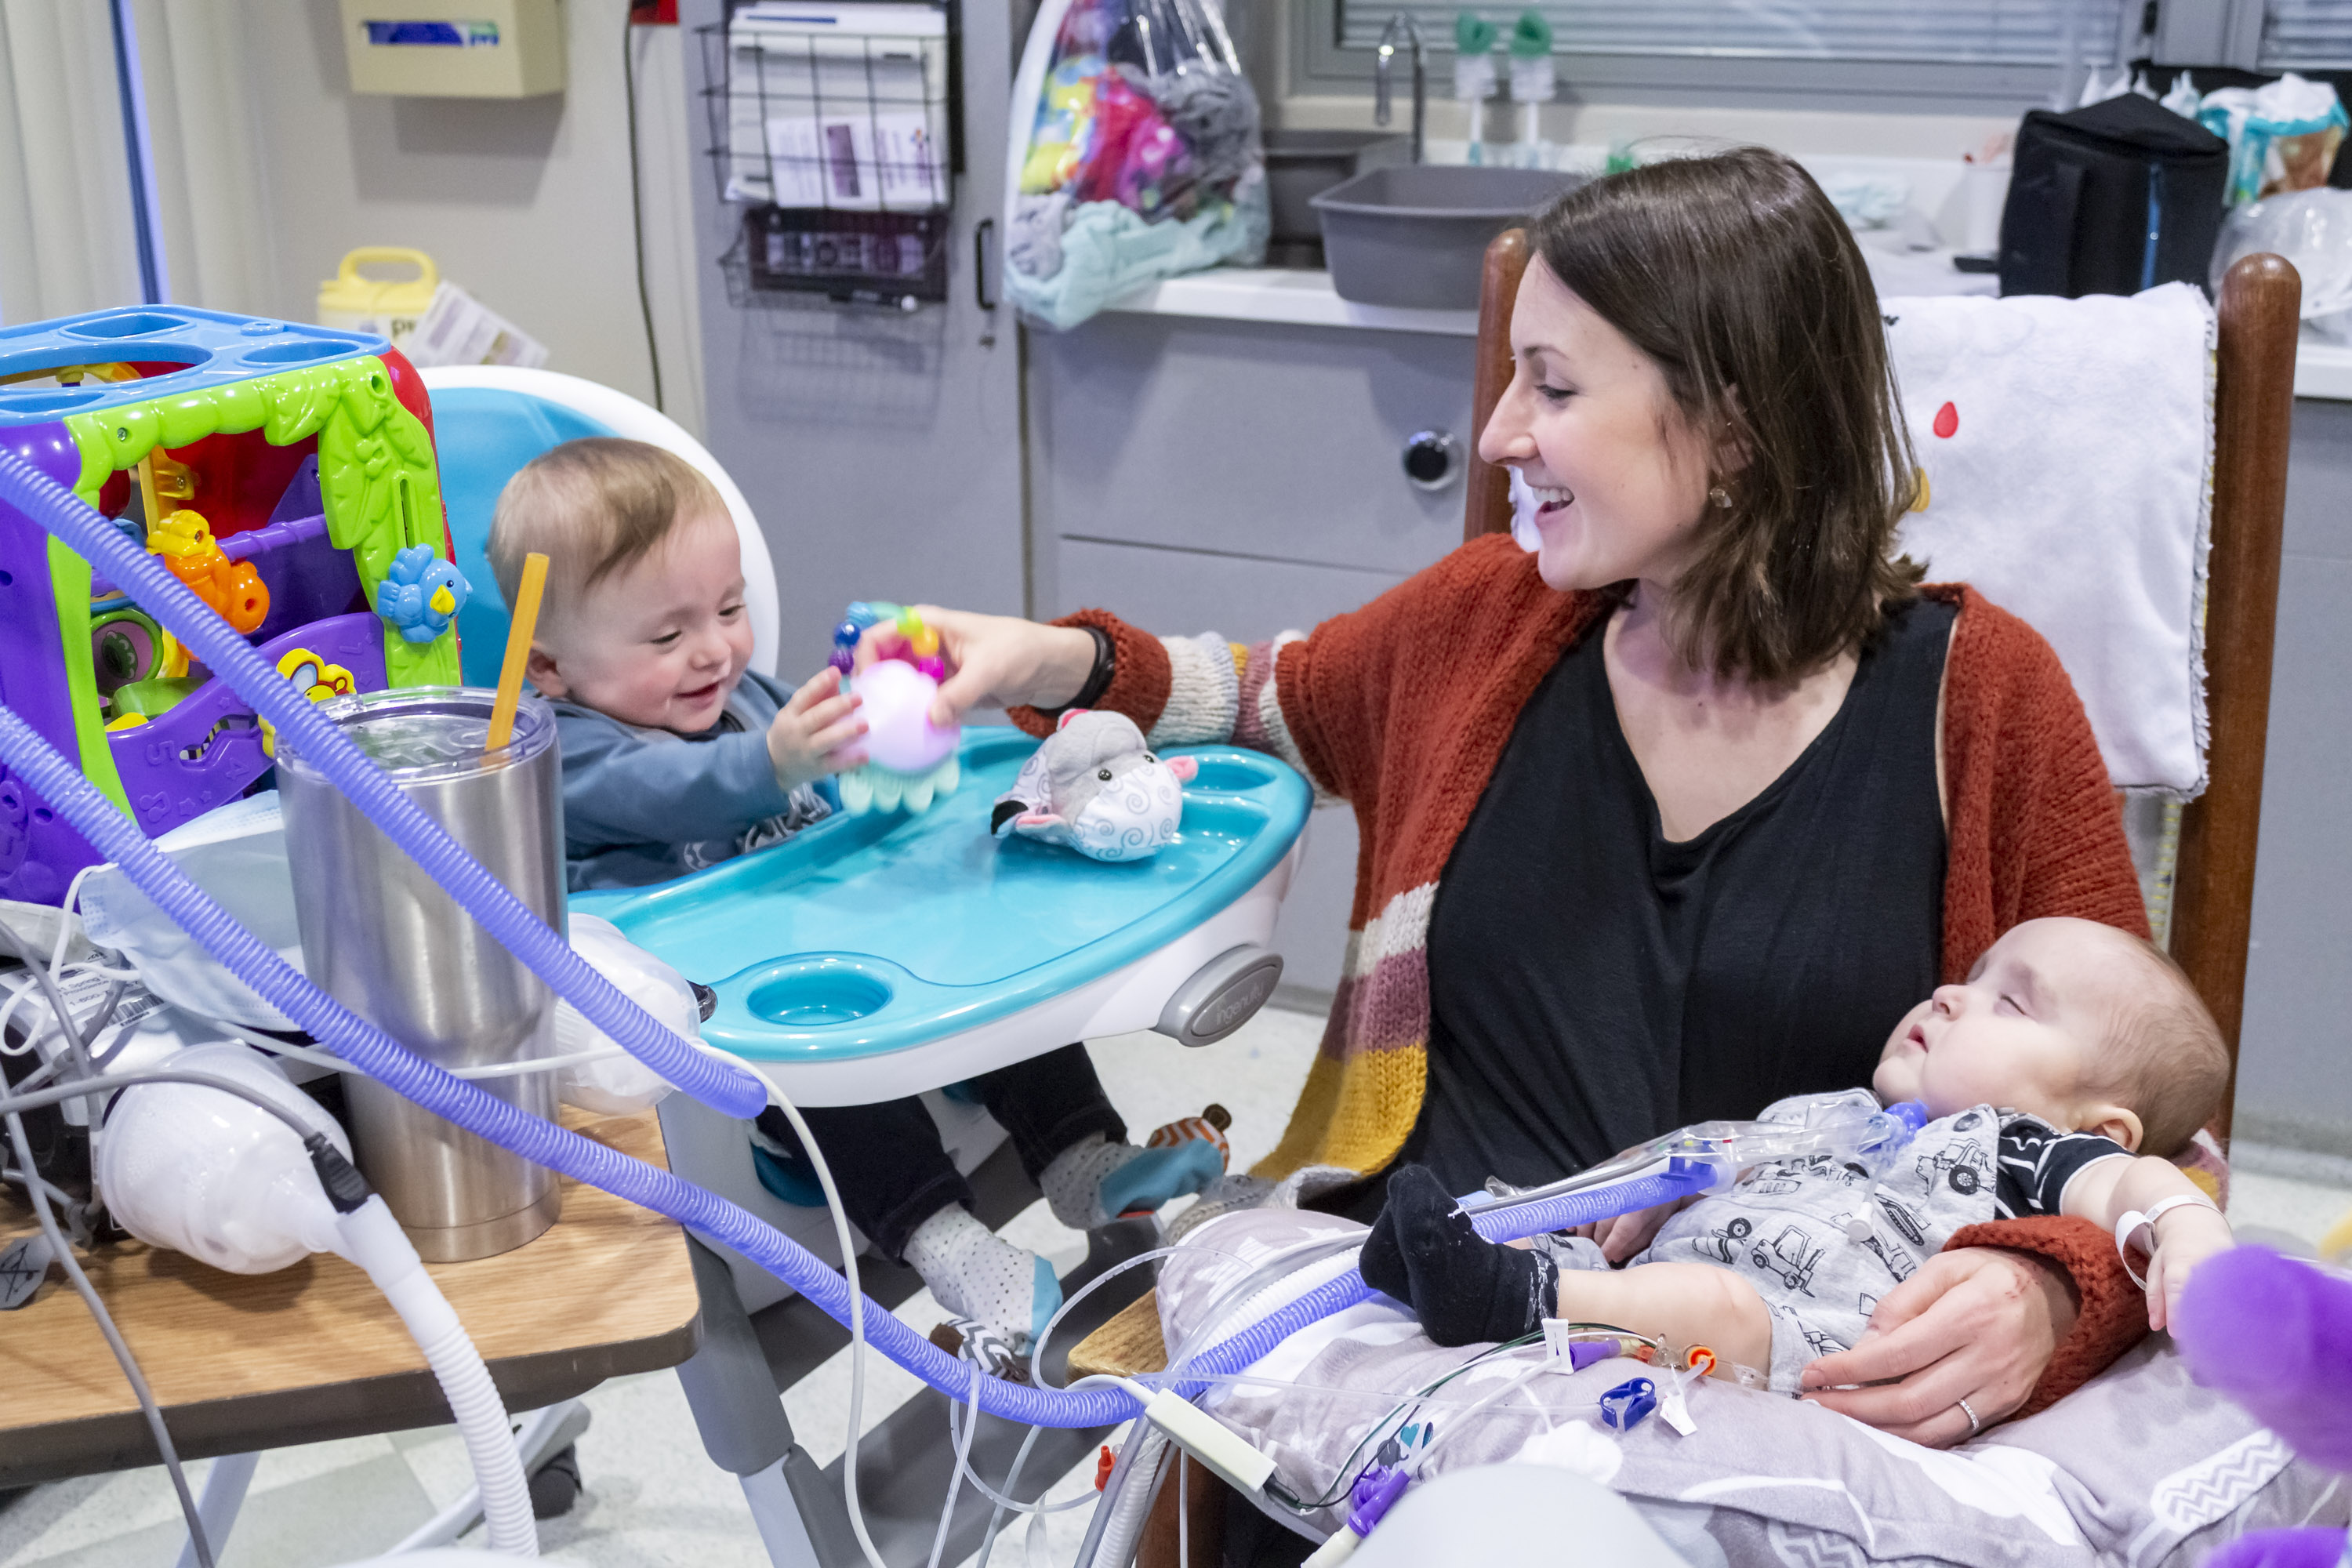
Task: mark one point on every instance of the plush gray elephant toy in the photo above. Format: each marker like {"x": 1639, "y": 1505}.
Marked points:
{"x": 1093, "y": 786}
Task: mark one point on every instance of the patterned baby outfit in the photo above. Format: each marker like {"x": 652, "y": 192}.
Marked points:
{"x": 1823, "y": 1240}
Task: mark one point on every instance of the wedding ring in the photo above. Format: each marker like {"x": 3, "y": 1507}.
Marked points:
{"x": 1975, "y": 1425}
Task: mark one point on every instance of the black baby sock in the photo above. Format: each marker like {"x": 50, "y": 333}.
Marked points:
{"x": 1465, "y": 1288}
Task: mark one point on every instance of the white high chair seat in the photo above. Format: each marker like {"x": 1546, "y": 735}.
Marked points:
{"x": 463, "y": 393}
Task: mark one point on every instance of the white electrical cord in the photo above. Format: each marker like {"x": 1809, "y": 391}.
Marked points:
{"x": 311, "y": 1056}
{"x": 856, "y": 1296}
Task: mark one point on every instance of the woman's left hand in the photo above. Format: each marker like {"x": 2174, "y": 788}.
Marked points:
{"x": 1980, "y": 1324}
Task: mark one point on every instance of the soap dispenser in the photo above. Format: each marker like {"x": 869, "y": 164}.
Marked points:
{"x": 1474, "y": 77}
{"x": 1532, "y": 83}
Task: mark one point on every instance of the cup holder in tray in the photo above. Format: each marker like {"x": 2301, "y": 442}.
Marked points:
{"x": 819, "y": 994}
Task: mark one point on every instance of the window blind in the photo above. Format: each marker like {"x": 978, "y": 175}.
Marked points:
{"x": 1991, "y": 32}
{"x": 2305, "y": 34}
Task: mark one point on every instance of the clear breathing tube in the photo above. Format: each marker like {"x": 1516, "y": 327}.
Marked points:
{"x": 1705, "y": 1157}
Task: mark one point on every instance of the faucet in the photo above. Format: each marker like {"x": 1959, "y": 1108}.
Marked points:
{"x": 1402, "y": 22}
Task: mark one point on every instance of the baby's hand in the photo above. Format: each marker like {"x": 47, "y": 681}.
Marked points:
{"x": 811, "y": 738}
{"x": 2185, "y": 1238}
{"x": 1627, "y": 1234}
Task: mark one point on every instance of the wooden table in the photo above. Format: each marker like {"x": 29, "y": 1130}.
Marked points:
{"x": 242, "y": 1362}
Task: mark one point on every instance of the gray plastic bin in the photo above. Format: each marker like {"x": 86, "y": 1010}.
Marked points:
{"x": 1415, "y": 235}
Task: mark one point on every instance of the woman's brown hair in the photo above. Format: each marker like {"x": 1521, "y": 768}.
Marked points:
{"x": 1738, "y": 278}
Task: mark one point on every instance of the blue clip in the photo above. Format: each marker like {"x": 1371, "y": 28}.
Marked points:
{"x": 1624, "y": 1407}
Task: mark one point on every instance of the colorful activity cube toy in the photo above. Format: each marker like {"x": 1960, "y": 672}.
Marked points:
{"x": 285, "y": 473}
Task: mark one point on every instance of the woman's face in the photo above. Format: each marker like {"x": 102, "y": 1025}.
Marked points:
{"x": 1621, "y": 477}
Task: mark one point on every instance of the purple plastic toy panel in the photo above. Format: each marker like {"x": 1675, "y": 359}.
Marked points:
{"x": 40, "y": 852}
{"x": 207, "y": 749}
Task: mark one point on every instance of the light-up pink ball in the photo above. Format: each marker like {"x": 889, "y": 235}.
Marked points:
{"x": 900, "y": 734}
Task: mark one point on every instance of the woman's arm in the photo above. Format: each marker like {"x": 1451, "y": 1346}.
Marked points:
{"x": 1324, "y": 702}
{"x": 2010, "y": 1316}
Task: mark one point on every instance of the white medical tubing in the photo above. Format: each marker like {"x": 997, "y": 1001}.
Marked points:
{"x": 370, "y": 1238}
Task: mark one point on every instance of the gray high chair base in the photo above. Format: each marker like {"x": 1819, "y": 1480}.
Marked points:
{"x": 734, "y": 1387}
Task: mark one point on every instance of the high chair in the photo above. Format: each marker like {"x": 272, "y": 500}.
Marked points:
{"x": 1179, "y": 945}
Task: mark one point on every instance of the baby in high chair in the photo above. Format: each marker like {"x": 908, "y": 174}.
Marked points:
{"x": 2059, "y": 1075}
{"x": 677, "y": 756}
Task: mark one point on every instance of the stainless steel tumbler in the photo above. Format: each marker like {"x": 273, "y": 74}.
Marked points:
{"x": 381, "y": 936}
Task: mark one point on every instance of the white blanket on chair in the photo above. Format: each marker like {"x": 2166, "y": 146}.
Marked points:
{"x": 2068, "y": 451}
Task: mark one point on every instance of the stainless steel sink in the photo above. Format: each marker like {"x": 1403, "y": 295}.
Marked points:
{"x": 1416, "y": 233}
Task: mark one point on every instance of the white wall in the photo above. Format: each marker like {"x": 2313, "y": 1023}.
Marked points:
{"x": 525, "y": 203}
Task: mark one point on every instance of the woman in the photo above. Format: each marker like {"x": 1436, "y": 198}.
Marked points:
{"x": 1680, "y": 815}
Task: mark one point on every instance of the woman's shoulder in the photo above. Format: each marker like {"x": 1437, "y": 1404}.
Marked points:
{"x": 1995, "y": 656}
{"x": 1478, "y": 600}
{"x": 2006, "y": 695}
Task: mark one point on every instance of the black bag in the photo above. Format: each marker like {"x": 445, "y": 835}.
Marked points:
{"x": 2111, "y": 199}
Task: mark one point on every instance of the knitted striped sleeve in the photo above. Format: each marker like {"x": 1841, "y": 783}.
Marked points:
{"x": 1196, "y": 690}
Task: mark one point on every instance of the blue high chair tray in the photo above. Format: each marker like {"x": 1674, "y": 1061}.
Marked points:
{"x": 869, "y": 935}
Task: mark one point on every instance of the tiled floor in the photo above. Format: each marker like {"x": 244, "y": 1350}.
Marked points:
{"x": 651, "y": 1499}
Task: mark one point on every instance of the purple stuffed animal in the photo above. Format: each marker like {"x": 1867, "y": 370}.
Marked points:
{"x": 2275, "y": 1335}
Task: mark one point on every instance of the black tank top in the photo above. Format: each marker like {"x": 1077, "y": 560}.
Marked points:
{"x": 1593, "y": 984}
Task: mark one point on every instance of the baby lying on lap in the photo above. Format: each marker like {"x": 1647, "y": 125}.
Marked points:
{"x": 2072, "y": 1059}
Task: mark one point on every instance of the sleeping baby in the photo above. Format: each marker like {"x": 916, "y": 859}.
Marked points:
{"x": 2073, "y": 1058}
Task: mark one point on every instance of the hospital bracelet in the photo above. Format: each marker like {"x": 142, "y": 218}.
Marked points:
{"x": 2127, "y": 1228}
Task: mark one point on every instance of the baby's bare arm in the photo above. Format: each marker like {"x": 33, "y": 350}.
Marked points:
{"x": 2105, "y": 1191}
{"x": 1685, "y": 1304}
{"x": 2186, "y": 1234}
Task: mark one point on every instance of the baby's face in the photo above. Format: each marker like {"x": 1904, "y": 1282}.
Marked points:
{"x": 2020, "y": 1033}
{"x": 661, "y": 644}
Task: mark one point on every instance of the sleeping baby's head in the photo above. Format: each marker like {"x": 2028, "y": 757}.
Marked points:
{"x": 2088, "y": 1027}
{"x": 644, "y": 616}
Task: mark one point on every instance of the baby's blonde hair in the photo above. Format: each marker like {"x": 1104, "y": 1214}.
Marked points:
{"x": 2164, "y": 1057}
{"x": 593, "y": 507}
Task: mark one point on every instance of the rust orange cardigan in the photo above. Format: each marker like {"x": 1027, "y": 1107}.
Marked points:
{"x": 1402, "y": 708}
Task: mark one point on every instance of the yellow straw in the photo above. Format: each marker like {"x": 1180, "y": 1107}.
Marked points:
{"x": 518, "y": 632}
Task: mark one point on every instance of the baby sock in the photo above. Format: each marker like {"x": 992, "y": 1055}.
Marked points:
{"x": 1095, "y": 1181}
{"x": 1465, "y": 1288}
{"x": 977, "y": 1274}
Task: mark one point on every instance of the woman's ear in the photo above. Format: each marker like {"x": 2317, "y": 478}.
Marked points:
{"x": 543, "y": 675}
{"x": 2112, "y": 1122}
{"x": 1730, "y": 447}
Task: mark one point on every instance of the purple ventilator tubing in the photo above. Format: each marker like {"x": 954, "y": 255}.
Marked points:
{"x": 233, "y": 661}
{"x": 372, "y": 1051}
{"x": 375, "y": 1053}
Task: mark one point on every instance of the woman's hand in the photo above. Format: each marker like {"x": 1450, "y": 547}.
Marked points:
{"x": 1001, "y": 659}
{"x": 1980, "y": 1324}
{"x": 1626, "y": 1235}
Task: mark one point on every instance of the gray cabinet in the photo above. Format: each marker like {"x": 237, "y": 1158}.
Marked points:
{"x": 1244, "y": 478}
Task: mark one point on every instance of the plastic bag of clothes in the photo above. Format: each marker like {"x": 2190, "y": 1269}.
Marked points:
{"x": 1136, "y": 155}
{"x": 2314, "y": 230}
{"x": 2283, "y": 136}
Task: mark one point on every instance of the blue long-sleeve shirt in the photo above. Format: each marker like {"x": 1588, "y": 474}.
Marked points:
{"x": 643, "y": 805}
